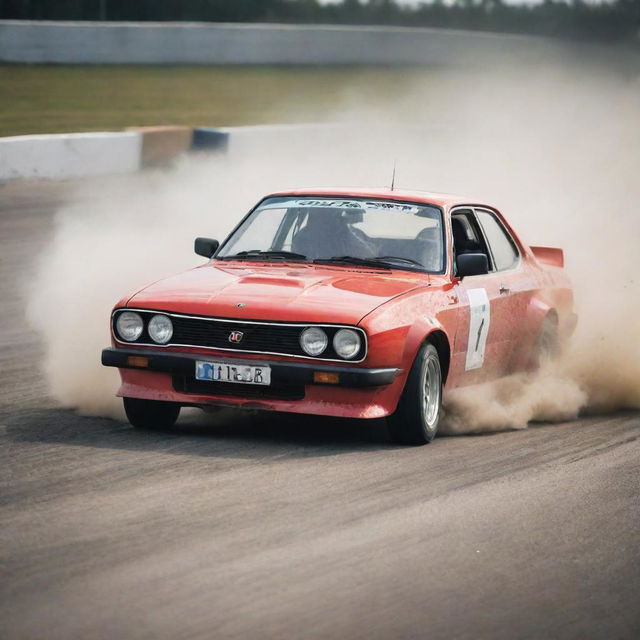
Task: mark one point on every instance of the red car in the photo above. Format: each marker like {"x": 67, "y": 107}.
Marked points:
{"x": 357, "y": 303}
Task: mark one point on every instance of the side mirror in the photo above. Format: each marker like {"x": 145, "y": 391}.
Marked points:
{"x": 205, "y": 246}
{"x": 472, "y": 264}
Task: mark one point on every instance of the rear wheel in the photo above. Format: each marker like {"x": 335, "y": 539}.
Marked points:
{"x": 151, "y": 414}
{"x": 419, "y": 411}
{"x": 547, "y": 347}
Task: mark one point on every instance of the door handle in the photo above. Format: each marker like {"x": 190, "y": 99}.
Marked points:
{"x": 504, "y": 290}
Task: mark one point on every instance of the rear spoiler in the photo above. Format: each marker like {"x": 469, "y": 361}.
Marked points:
{"x": 549, "y": 255}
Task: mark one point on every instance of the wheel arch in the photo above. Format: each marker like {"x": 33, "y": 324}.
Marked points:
{"x": 440, "y": 341}
{"x": 429, "y": 329}
{"x": 539, "y": 312}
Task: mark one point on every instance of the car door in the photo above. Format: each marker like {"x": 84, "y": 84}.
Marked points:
{"x": 484, "y": 340}
{"x": 516, "y": 284}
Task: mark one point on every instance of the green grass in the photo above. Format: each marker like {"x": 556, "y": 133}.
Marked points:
{"x": 50, "y": 99}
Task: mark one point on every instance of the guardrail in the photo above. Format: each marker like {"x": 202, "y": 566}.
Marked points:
{"x": 73, "y": 155}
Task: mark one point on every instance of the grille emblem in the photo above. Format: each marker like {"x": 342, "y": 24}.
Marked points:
{"x": 235, "y": 336}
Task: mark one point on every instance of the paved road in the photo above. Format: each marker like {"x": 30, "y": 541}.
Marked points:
{"x": 283, "y": 527}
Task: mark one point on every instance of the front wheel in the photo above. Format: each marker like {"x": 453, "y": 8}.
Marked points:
{"x": 416, "y": 420}
{"x": 151, "y": 414}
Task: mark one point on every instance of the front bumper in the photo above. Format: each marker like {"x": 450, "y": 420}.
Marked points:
{"x": 169, "y": 377}
{"x": 281, "y": 372}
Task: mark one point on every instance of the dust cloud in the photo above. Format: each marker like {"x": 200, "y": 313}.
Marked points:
{"x": 555, "y": 147}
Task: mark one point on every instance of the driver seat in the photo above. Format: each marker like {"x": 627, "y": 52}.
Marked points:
{"x": 327, "y": 234}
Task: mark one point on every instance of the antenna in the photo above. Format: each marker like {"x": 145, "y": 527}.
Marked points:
{"x": 393, "y": 175}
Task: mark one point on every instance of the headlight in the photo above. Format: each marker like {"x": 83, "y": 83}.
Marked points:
{"x": 129, "y": 326}
{"x": 346, "y": 342}
{"x": 160, "y": 329}
{"x": 313, "y": 341}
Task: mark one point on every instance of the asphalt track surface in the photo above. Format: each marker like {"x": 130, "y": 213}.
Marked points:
{"x": 292, "y": 527}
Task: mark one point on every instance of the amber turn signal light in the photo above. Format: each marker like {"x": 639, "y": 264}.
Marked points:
{"x": 137, "y": 361}
{"x": 325, "y": 377}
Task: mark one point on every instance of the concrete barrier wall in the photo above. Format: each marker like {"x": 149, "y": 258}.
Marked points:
{"x": 74, "y": 155}
{"x": 203, "y": 43}
{"x": 160, "y": 145}
{"x": 210, "y": 139}
{"x": 59, "y": 156}
{"x": 69, "y": 155}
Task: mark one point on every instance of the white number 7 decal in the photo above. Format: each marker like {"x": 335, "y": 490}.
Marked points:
{"x": 479, "y": 319}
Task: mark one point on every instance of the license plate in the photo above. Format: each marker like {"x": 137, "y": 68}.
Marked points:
{"x": 225, "y": 372}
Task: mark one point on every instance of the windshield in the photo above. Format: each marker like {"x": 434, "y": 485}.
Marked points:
{"x": 366, "y": 231}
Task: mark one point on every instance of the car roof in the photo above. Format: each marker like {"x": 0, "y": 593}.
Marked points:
{"x": 444, "y": 200}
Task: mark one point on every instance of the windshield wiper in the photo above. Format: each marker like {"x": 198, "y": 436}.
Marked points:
{"x": 257, "y": 253}
{"x": 364, "y": 262}
{"x": 382, "y": 262}
{"x": 399, "y": 259}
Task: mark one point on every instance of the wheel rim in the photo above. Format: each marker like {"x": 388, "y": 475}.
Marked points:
{"x": 431, "y": 389}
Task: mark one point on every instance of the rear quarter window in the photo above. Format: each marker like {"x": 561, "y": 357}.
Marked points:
{"x": 503, "y": 249}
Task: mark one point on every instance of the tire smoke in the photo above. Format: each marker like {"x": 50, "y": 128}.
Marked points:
{"x": 556, "y": 149}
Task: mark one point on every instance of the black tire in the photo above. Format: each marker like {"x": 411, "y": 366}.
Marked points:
{"x": 416, "y": 420}
{"x": 151, "y": 414}
{"x": 547, "y": 347}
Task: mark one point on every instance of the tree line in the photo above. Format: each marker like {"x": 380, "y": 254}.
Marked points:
{"x": 613, "y": 20}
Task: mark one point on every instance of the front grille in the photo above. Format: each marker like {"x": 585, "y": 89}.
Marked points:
{"x": 278, "y": 391}
{"x": 268, "y": 337}
{"x": 256, "y": 337}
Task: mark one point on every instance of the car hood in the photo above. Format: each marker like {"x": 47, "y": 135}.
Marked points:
{"x": 283, "y": 292}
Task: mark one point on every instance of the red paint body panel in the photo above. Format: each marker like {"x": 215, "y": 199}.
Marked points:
{"x": 322, "y": 400}
{"x": 397, "y": 309}
{"x": 280, "y": 292}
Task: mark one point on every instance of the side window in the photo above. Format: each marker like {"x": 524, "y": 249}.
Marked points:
{"x": 505, "y": 254}
{"x": 467, "y": 237}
